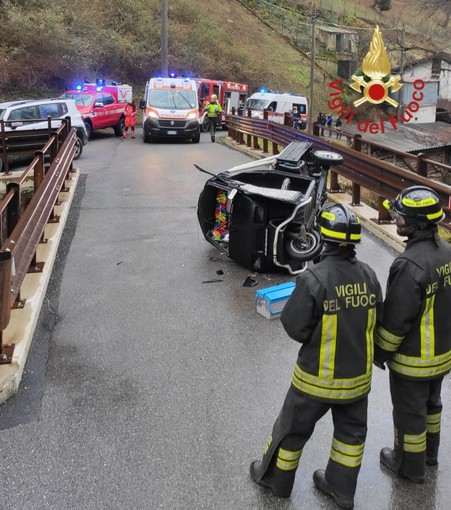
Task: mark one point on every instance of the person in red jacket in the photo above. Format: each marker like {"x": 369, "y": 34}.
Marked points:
{"x": 130, "y": 118}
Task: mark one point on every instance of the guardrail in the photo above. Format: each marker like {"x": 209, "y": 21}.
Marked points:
{"x": 16, "y": 143}
{"x": 363, "y": 170}
{"x": 24, "y": 227}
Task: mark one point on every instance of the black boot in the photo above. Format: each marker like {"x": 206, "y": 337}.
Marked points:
{"x": 254, "y": 471}
{"x": 389, "y": 460}
{"x": 212, "y": 138}
{"x": 319, "y": 477}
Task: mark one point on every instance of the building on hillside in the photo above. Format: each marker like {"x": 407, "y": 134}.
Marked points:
{"x": 435, "y": 72}
{"x": 343, "y": 43}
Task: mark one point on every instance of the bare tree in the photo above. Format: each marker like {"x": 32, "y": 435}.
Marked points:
{"x": 432, "y": 6}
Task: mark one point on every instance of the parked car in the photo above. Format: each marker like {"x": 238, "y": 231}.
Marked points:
{"x": 33, "y": 114}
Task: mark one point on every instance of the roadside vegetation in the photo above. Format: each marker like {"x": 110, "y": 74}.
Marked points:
{"x": 46, "y": 46}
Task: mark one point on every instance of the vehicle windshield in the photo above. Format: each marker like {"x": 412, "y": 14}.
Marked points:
{"x": 80, "y": 99}
{"x": 170, "y": 99}
{"x": 257, "y": 104}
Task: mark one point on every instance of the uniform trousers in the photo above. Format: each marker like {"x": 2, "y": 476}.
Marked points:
{"x": 212, "y": 122}
{"x": 417, "y": 409}
{"x": 294, "y": 427}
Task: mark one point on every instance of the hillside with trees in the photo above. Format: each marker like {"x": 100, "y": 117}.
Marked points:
{"x": 48, "y": 45}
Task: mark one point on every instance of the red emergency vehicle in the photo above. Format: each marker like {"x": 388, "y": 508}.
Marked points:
{"x": 230, "y": 95}
{"x": 101, "y": 106}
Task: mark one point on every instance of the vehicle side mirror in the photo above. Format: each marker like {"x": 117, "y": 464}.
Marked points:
{"x": 98, "y": 105}
{"x": 142, "y": 104}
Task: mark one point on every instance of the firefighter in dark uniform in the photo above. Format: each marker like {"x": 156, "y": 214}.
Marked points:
{"x": 213, "y": 109}
{"x": 332, "y": 312}
{"x": 414, "y": 337}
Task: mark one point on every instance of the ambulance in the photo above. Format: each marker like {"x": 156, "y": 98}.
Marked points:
{"x": 277, "y": 105}
{"x": 170, "y": 109}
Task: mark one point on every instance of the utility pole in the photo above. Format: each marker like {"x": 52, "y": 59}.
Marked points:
{"x": 164, "y": 38}
{"x": 312, "y": 72}
{"x": 401, "y": 67}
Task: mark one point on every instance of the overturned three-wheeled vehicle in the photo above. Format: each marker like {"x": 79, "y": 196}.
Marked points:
{"x": 264, "y": 214}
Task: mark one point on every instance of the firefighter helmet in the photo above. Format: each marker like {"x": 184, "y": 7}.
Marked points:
{"x": 339, "y": 225}
{"x": 214, "y": 97}
{"x": 419, "y": 203}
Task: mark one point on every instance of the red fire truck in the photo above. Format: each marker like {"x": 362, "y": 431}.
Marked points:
{"x": 101, "y": 105}
{"x": 230, "y": 95}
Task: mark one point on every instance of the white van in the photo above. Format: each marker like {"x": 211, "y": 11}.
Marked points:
{"x": 277, "y": 105}
{"x": 170, "y": 109}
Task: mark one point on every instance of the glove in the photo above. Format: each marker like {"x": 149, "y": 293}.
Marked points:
{"x": 379, "y": 364}
{"x": 380, "y": 357}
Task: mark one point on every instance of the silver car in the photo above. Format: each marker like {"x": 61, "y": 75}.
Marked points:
{"x": 18, "y": 114}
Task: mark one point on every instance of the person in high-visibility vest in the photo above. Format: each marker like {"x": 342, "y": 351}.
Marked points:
{"x": 130, "y": 119}
{"x": 213, "y": 110}
{"x": 332, "y": 312}
{"x": 414, "y": 337}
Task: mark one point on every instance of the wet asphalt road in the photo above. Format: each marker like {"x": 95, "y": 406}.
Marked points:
{"x": 147, "y": 388}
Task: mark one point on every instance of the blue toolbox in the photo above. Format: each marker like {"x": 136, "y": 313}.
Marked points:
{"x": 270, "y": 301}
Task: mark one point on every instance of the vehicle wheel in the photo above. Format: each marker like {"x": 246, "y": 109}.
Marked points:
{"x": 327, "y": 157}
{"x": 119, "y": 129}
{"x": 302, "y": 245}
{"x": 196, "y": 137}
{"x": 147, "y": 137}
{"x": 205, "y": 126}
{"x": 78, "y": 148}
{"x": 88, "y": 127}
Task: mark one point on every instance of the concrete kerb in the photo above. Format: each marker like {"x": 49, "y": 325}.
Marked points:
{"x": 367, "y": 215}
{"x": 23, "y": 321}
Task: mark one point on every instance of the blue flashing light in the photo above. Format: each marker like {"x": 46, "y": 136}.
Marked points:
{"x": 98, "y": 89}
{"x": 78, "y": 86}
{"x": 100, "y": 83}
{"x": 263, "y": 91}
{"x": 172, "y": 74}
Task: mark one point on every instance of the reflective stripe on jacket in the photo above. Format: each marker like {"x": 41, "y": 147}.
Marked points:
{"x": 213, "y": 109}
{"x": 415, "y": 333}
{"x": 332, "y": 312}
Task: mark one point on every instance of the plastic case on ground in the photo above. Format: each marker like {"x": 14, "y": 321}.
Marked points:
{"x": 271, "y": 300}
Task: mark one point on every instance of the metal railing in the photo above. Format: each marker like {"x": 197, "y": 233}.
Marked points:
{"x": 24, "y": 227}
{"x": 363, "y": 170}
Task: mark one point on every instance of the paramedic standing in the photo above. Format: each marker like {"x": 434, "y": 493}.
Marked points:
{"x": 213, "y": 109}
{"x": 130, "y": 119}
{"x": 332, "y": 312}
{"x": 414, "y": 337}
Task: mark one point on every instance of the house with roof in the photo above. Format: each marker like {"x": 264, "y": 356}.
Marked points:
{"x": 435, "y": 72}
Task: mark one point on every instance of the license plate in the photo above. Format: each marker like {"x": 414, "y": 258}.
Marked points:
{"x": 172, "y": 132}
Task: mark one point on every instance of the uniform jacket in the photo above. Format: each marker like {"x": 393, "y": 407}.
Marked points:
{"x": 213, "y": 109}
{"x": 130, "y": 115}
{"x": 415, "y": 334}
{"x": 333, "y": 312}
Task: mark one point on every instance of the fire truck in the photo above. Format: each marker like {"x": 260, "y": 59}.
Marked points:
{"x": 230, "y": 95}
{"x": 101, "y": 105}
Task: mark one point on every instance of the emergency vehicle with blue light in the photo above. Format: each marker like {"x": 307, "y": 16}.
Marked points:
{"x": 170, "y": 109}
{"x": 276, "y": 105}
{"x": 101, "y": 105}
{"x": 230, "y": 96}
